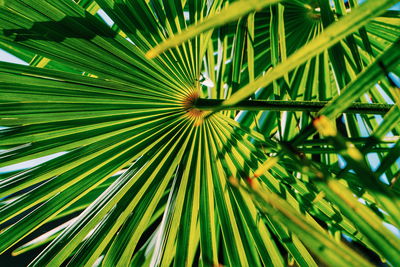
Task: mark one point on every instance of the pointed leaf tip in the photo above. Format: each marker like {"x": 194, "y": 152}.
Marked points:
{"x": 150, "y": 54}
{"x": 233, "y": 181}
{"x": 325, "y": 126}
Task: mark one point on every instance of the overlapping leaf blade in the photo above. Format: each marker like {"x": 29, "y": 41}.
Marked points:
{"x": 157, "y": 178}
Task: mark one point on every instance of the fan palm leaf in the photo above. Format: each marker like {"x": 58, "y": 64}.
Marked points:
{"x": 200, "y": 132}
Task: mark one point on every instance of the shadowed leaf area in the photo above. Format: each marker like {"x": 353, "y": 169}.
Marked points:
{"x": 200, "y": 133}
{"x": 58, "y": 31}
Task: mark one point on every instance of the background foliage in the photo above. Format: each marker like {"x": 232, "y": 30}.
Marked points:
{"x": 145, "y": 171}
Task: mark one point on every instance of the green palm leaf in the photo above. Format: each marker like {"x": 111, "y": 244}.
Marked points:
{"x": 200, "y": 132}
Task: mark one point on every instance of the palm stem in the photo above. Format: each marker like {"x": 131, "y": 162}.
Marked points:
{"x": 280, "y": 105}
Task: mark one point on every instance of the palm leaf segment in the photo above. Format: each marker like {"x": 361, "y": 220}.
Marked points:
{"x": 146, "y": 177}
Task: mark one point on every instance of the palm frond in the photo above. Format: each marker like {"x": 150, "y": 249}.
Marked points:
{"x": 200, "y": 132}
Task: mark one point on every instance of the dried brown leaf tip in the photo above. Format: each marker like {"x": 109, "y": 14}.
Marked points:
{"x": 234, "y": 181}
{"x": 325, "y": 126}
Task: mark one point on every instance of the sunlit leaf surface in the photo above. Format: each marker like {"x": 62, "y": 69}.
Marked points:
{"x": 206, "y": 133}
